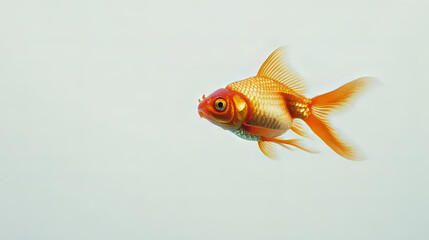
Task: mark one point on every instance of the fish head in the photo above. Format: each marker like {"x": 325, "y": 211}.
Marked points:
{"x": 225, "y": 108}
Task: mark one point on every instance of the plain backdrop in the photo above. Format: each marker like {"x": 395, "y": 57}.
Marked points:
{"x": 100, "y": 136}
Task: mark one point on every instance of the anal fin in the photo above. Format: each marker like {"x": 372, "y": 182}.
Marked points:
{"x": 289, "y": 142}
{"x": 298, "y": 128}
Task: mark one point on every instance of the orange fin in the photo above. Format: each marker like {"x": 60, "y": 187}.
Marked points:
{"x": 326, "y": 103}
{"x": 324, "y": 130}
{"x": 261, "y": 131}
{"x": 267, "y": 148}
{"x": 340, "y": 97}
{"x": 298, "y": 128}
{"x": 276, "y": 68}
{"x": 292, "y": 142}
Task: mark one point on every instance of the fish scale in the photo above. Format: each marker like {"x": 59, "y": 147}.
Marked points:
{"x": 269, "y": 107}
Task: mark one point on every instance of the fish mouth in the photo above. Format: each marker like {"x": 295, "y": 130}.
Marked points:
{"x": 202, "y": 111}
{"x": 201, "y": 114}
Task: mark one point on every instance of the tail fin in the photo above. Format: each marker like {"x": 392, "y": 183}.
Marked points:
{"x": 323, "y": 105}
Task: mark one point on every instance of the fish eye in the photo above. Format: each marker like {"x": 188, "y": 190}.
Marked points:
{"x": 220, "y": 104}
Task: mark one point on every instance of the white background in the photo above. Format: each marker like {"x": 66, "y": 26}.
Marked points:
{"x": 100, "y": 136}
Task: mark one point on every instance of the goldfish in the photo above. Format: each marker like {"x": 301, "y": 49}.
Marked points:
{"x": 264, "y": 107}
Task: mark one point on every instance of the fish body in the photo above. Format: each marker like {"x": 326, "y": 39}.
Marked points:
{"x": 266, "y": 106}
{"x": 269, "y": 107}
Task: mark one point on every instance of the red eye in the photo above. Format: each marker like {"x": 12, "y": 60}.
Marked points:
{"x": 220, "y": 104}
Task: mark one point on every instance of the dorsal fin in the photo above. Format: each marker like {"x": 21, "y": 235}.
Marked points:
{"x": 276, "y": 68}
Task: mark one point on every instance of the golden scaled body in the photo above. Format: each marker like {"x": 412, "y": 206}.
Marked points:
{"x": 269, "y": 107}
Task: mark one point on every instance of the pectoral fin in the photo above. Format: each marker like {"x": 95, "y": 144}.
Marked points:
{"x": 261, "y": 131}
